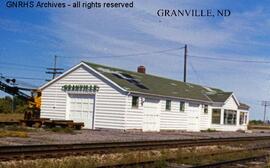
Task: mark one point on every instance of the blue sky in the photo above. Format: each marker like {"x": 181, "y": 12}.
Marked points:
{"x": 31, "y": 37}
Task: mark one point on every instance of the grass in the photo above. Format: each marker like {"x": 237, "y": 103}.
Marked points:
{"x": 267, "y": 127}
{"x": 52, "y": 163}
{"x": 61, "y": 130}
{"x": 6, "y": 133}
{"x": 11, "y": 116}
{"x": 15, "y": 131}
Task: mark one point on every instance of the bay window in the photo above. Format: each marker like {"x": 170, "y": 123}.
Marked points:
{"x": 230, "y": 117}
{"x": 243, "y": 118}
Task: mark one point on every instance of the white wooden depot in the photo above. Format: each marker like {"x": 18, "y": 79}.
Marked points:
{"x": 110, "y": 107}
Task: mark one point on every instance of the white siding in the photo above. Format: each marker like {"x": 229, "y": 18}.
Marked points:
{"x": 169, "y": 120}
{"x": 173, "y": 119}
{"x": 109, "y": 103}
{"x": 230, "y": 104}
{"x": 228, "y": 127}
{"x": 205, "y": 118}
{"x": 134, "y": 116}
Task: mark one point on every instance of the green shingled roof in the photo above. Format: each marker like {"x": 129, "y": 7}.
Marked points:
{"x": 149, "y": 84}
{"x": 243, "y": 106}
{"x": 220, "y": 96}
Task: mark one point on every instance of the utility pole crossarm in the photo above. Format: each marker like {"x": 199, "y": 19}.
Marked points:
{"x": 265, "y": 104}
{"x": 54, "y": 71}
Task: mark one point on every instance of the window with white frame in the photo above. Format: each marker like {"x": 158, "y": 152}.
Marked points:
{"x": 216, "y": 116}
{"x": 205, "y": 109}
{"x": 168, "y": 105}
{"x": 230, "y": 117}
{"x": 182, "y": 106}
{"x": 243, "y": 118}
{"x": 135, "y": 101}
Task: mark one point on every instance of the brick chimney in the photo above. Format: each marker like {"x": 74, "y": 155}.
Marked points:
{"x": 141, "y": 69}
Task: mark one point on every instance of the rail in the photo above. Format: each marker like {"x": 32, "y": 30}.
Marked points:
{"x": 55, "y": 150}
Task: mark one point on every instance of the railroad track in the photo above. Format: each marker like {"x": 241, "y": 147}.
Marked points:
{"x": 232, "y": 162}
{"x": 59, "y": 150}
{"x": 150, "y": 163}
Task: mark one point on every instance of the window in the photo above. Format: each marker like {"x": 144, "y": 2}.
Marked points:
{"x": 135, "y": 101}
{"x": 230, "y": 117}
{"x": 205, "y": 110}
{"x": 216, "y": 113}
{"x": 182, "y": 106}
{"x": 168, "y": 105}
{"x": 243, "y": 118}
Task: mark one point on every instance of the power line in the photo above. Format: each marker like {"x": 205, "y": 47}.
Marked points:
{"x": 130, "y": 55}
{"x": 22, "y": 65}
{"x": 21, "y": 68}
{"x": 26, "y": 78}
{"x": 195, "y": 72}
{"x": 230, "y": 60}
{"x": 29, "y": 78}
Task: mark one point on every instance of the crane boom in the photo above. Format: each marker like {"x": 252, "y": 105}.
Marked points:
{"x": 14, "y": 91}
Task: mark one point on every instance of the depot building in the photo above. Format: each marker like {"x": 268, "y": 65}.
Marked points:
{"x": 110, "y": 98}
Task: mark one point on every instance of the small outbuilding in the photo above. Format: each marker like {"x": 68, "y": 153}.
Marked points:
{"x": 110, "y": 98}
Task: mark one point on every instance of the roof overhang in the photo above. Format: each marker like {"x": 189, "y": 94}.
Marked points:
{"x": 171, "y": 97}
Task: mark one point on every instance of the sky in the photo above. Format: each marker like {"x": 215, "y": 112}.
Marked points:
{"x": 29, "y": 39}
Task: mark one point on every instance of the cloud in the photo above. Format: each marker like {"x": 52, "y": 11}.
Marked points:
{"x": 104, "y": 32}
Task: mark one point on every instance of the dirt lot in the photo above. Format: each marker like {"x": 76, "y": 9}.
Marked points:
{"x": 84, "y": 136}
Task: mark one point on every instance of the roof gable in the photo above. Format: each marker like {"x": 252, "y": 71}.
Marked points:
{"x": 74, "y": 68}
{"x": 220, "y": 96}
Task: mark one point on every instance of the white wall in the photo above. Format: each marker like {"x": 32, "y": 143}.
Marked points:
{"x": 205, "y": 118}
{"x": 134, "y": 116}
{"x": 173, "y": 119}
{"x": 110, "y": 103}
{"x": 169, "y": 120}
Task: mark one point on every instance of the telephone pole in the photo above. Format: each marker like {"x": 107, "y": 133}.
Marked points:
{"x": 185, "y": 63}
{"x": 265, "y": 104}
{"x": 54, "y": 71}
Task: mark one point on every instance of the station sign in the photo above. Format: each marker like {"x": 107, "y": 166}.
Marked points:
{"x": 80, "y": 88}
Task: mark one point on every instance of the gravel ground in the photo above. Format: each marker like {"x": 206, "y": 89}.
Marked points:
{"x": 88, "y": 136}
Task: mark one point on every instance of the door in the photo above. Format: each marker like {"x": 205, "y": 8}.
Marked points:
{"x": 81, "y": 109}
{"x": 193, "y": 117}
{"x": 151, "y": 115}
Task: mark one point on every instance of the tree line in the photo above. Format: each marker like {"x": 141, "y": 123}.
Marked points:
{"x": 12, "y": 105}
